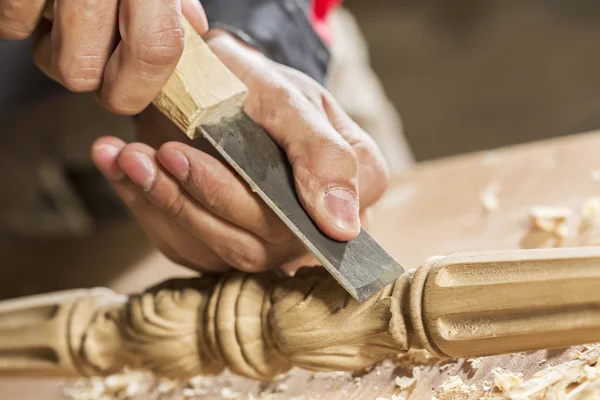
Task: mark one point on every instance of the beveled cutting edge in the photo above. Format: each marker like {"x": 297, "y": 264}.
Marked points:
{"x": 361, "y": 265}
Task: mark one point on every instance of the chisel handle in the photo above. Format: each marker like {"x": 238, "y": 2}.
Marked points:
{"x": 201, "y": 89}
{"x": 507, "y": 301}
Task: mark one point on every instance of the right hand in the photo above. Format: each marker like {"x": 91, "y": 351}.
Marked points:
{"x": 123, "y": 50}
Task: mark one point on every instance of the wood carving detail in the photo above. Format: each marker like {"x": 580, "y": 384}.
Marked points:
{"x": 261, "y": 325}
{"x": 244, "y": 322}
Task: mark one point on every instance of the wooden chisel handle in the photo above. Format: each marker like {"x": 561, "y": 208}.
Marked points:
{"x": 200, "y": 90}
{"x": 507, "y": 301}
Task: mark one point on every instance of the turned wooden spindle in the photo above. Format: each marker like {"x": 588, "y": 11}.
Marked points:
{"x": 262, "y": 325}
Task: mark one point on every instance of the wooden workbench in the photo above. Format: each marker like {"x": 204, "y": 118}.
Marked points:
{"x": 434, "y": 209}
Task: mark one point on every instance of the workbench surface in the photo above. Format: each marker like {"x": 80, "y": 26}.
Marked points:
{"x": 434, "y": 209}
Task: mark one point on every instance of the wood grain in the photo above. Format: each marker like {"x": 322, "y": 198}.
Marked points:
{"x": 201, "y": 89}
{"x": 433, "y": 209}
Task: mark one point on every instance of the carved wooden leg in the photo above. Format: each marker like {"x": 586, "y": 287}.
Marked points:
{"x": 41, "y": 335}
{"x": 260, "y": 326}
{"x": 507, "y": 301}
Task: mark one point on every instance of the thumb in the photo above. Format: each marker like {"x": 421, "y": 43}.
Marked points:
{"x": 194, "y": 13}
{"x": 325, "y": 165}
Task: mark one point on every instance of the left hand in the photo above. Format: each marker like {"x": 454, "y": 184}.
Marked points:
{"x": 202, "y": 215}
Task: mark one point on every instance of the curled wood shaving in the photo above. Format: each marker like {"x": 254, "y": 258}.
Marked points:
{"x": 590, "y": 211}
{"x": 123, "y": 386}
{"x": 577, "y": 379}
{"x": 452, "y": 384}
{"x": 489, "y": 197}
{"x": 552, "y": 220}
{"x": 506, "y": 380}
{"x": 404, "y": 382}
{"x": 227, "y": 393}
{"x": 475, "y": 362}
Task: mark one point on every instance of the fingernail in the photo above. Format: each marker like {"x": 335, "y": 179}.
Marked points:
{"x": 195, "y": 14}
{"x": 140, "y": 169}
{"x": 342, "y": 208}
{"x": 176, "y": 163}
{"x": 105, "y": 157}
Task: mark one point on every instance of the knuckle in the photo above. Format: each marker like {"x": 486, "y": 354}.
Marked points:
{"x": 13, "y": 30}
{"x": 161, "y": 41}
{"x": 210, "y": 193}
{"x": 244, "y": 257}
{"x": 275, "y": 96}
{"x": 335, "y": 156}
{"x": 79, "y": 77}
{"x": 175, "y": 206}
{"x": 120, "y": 104}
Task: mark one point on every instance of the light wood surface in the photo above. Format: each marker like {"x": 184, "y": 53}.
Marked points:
{"x": 434, "y": 209}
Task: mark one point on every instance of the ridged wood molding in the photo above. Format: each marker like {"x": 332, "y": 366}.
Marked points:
{"x": 261, "y": 325}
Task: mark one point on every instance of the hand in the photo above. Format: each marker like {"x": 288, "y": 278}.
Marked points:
{"x": 202, "y": 215}
{"x": 123, "y": 50}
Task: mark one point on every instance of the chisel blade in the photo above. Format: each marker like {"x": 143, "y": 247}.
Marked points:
{"x": 361, "y": 265}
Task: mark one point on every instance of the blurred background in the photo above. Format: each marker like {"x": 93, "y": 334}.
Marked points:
{"x": 446, "y": 78}
{"x": 468, "y": 75}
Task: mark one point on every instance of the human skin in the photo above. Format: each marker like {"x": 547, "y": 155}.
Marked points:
{"x": 124, "y": 51}
{"x": 187, "y": 200}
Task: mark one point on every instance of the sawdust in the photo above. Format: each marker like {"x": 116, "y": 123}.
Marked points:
{"x": 590, "y": 211}
{"x": 489, "y": 197}
{"x": 506, "y": 380}
{"x": 475, "y": 363}
{"x": 550, "y": 219}
{"x": 577, "y": 379}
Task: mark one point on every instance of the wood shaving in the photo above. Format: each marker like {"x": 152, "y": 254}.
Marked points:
{"x": 123, "y": 386}
{"x": 415, "y": 357}
{"x": 590, "y": 211}
{"x": 578, "y": 379}
{"x": 404, "y": 382}
{"x": 475, "y": 362}
{"x": 281, "y": 387}
{"x": 394, "y": 397}
{"x": 447, "y": 366}
{"x": 489, "y": 197}
{"x": 552, "y": 220}
{"x": 416, "y": 372}
{"x": 452, "y": 384}
{"x": 505, "y": 380}
{"x": 227, "y": 393}
{"x": 486, "y": 385}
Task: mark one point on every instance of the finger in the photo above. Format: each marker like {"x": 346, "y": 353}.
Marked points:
{"x": 219, "y": 190}
{"x": 172, "y": 240}
{"x": 80, "y": 43}
{"x": 324, "y": 164}
{"x": 194, "y": 13}
{"x": 373, "y": 171}
{"x": 236, "y": 246}
{"x": 18, "y": 18}
{"x": 151, "y": 44}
